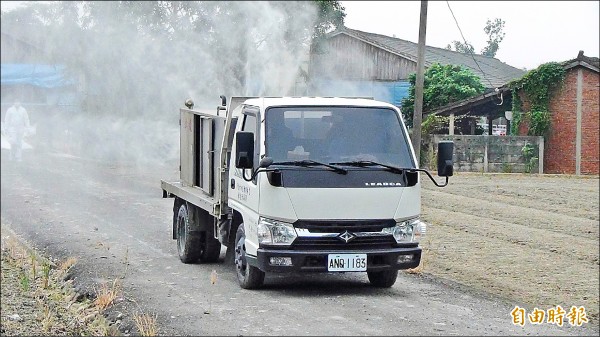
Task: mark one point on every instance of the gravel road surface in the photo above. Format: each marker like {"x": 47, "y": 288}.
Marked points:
{"x": 113, "y": 219}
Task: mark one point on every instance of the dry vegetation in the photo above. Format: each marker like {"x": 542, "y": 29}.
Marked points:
{"x": 146, "y": 324}
{"x": 527, "y": 238}
{"x": 106, "y": 295}
{"x": 38, "y": 301}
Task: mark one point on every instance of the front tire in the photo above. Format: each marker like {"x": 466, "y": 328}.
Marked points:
{"x": 249, "y": 277}
{"x": 382, "y": 279}
{"x": 188, "y": 242}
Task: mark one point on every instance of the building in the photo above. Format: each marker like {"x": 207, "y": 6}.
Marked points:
{"x": 356, "y": 63}
{"x": 571, "y": 146}
{"x": 572, "y": 143}
{"x": 30, "y": 75}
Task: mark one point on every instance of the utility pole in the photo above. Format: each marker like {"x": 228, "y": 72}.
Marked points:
{"x": 418, "y": 113}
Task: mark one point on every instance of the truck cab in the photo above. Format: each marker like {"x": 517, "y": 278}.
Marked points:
{"x": 320, "y": 184}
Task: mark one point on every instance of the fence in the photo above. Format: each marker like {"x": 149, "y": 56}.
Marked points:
{"x": 487, "y": 153}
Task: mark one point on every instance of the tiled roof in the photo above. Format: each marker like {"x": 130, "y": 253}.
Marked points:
{"x": 591, "y": 62}
{"x": 495, "y": 72}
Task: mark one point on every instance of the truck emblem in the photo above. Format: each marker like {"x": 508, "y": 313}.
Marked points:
{"x": 384, "y": 184}
{"x": 346, "y": 236}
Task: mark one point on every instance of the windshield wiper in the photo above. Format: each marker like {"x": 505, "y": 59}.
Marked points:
{"x": 399, "y": 170}
{"x": 308, "y": 163}
{"x": 364, "y": 163}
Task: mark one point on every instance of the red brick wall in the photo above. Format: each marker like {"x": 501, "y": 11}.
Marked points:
{"x": 559, "y": 154}
{"x": 560, "y": 144}
{"x": 590, "y": 126}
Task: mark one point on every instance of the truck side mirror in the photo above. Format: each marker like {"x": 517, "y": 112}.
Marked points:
{"x": 244, "y": 150}
{"x": 265, "y": 162}
{"x": 275, "y": 178}
{"x": 444, "y": 158}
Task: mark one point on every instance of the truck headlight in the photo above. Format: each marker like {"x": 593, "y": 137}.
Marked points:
{"x": 407, "y": 231}
{"x": 273, "y": 232}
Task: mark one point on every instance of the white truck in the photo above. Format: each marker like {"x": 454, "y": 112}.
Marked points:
{"x": 295, "y": 184}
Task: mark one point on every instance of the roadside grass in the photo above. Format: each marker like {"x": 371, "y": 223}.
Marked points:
{"x": 37, "y": 298}
{"x": 106, "y": 295}
{"x": 67, "y": 264}
{"x": 146, "y": 324}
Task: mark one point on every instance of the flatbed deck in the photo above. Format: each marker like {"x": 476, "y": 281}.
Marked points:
{"x": 191, "y": 194}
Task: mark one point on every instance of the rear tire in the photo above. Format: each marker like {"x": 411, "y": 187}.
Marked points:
{"x": 188, "y": 242}
{"x": 382, "y": 279}
{"x": 211, "y": 248}
{"x": 249, "y": 277}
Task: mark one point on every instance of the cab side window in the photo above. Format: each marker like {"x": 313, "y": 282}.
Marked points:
{"x": 249, "y": 124}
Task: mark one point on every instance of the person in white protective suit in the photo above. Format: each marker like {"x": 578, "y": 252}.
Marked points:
{"x": 16, "y": 123}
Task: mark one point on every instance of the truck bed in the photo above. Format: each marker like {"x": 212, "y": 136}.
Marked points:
{"x": 191, "y": 194}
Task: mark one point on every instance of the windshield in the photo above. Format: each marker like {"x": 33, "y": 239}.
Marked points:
{"x": 336, "y": 134}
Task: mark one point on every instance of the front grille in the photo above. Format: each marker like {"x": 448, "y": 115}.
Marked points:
{"x": 355, "y": 226}
{"x": 334, "y": 243}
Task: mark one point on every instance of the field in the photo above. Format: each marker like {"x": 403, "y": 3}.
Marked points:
{"x": 530, "y": 239}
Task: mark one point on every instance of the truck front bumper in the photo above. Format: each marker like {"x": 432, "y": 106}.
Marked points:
{"x": 316, "y": 261}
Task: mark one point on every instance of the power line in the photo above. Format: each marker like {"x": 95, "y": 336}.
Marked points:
{"x": 471, "y": 52}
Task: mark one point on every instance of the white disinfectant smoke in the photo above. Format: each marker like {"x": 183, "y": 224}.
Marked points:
{"x": 133, "y": 76}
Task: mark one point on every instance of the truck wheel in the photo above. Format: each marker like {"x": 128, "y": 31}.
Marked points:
{"x": 188, "y": 243}
{"x": 211, "y": 249}
{"x": 382, "y": 279}
{"x": 249, "y": 277}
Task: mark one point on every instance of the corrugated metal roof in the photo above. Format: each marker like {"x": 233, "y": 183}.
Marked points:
{"x": 495, "y": 72}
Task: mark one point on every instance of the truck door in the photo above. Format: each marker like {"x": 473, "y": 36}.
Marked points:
{"x": 243, "y": 195}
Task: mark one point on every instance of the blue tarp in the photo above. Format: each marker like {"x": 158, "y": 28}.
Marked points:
{"x": 391, "y": 92}
{"x": 39, "y": 75}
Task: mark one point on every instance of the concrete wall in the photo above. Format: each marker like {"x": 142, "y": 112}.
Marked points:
{"x": 493, "y": 153}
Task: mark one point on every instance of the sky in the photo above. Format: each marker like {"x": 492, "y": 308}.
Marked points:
{"x": 536, "y": 31}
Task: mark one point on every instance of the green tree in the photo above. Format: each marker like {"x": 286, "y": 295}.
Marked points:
{"x": 331, "y": 16}
{"x": 461, "y": 47}
{"x": 443, "y": 84}
{"x": 494, "y": 31}
{"x": 135, "y": 62}
{"x": 154, "y": 54}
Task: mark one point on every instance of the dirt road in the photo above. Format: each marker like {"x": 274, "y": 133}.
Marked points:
{"x": 113, "y": 220}
{"x": 527, "y": 238}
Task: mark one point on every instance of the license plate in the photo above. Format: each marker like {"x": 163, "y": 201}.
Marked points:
{"x": 347, "y": 262}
